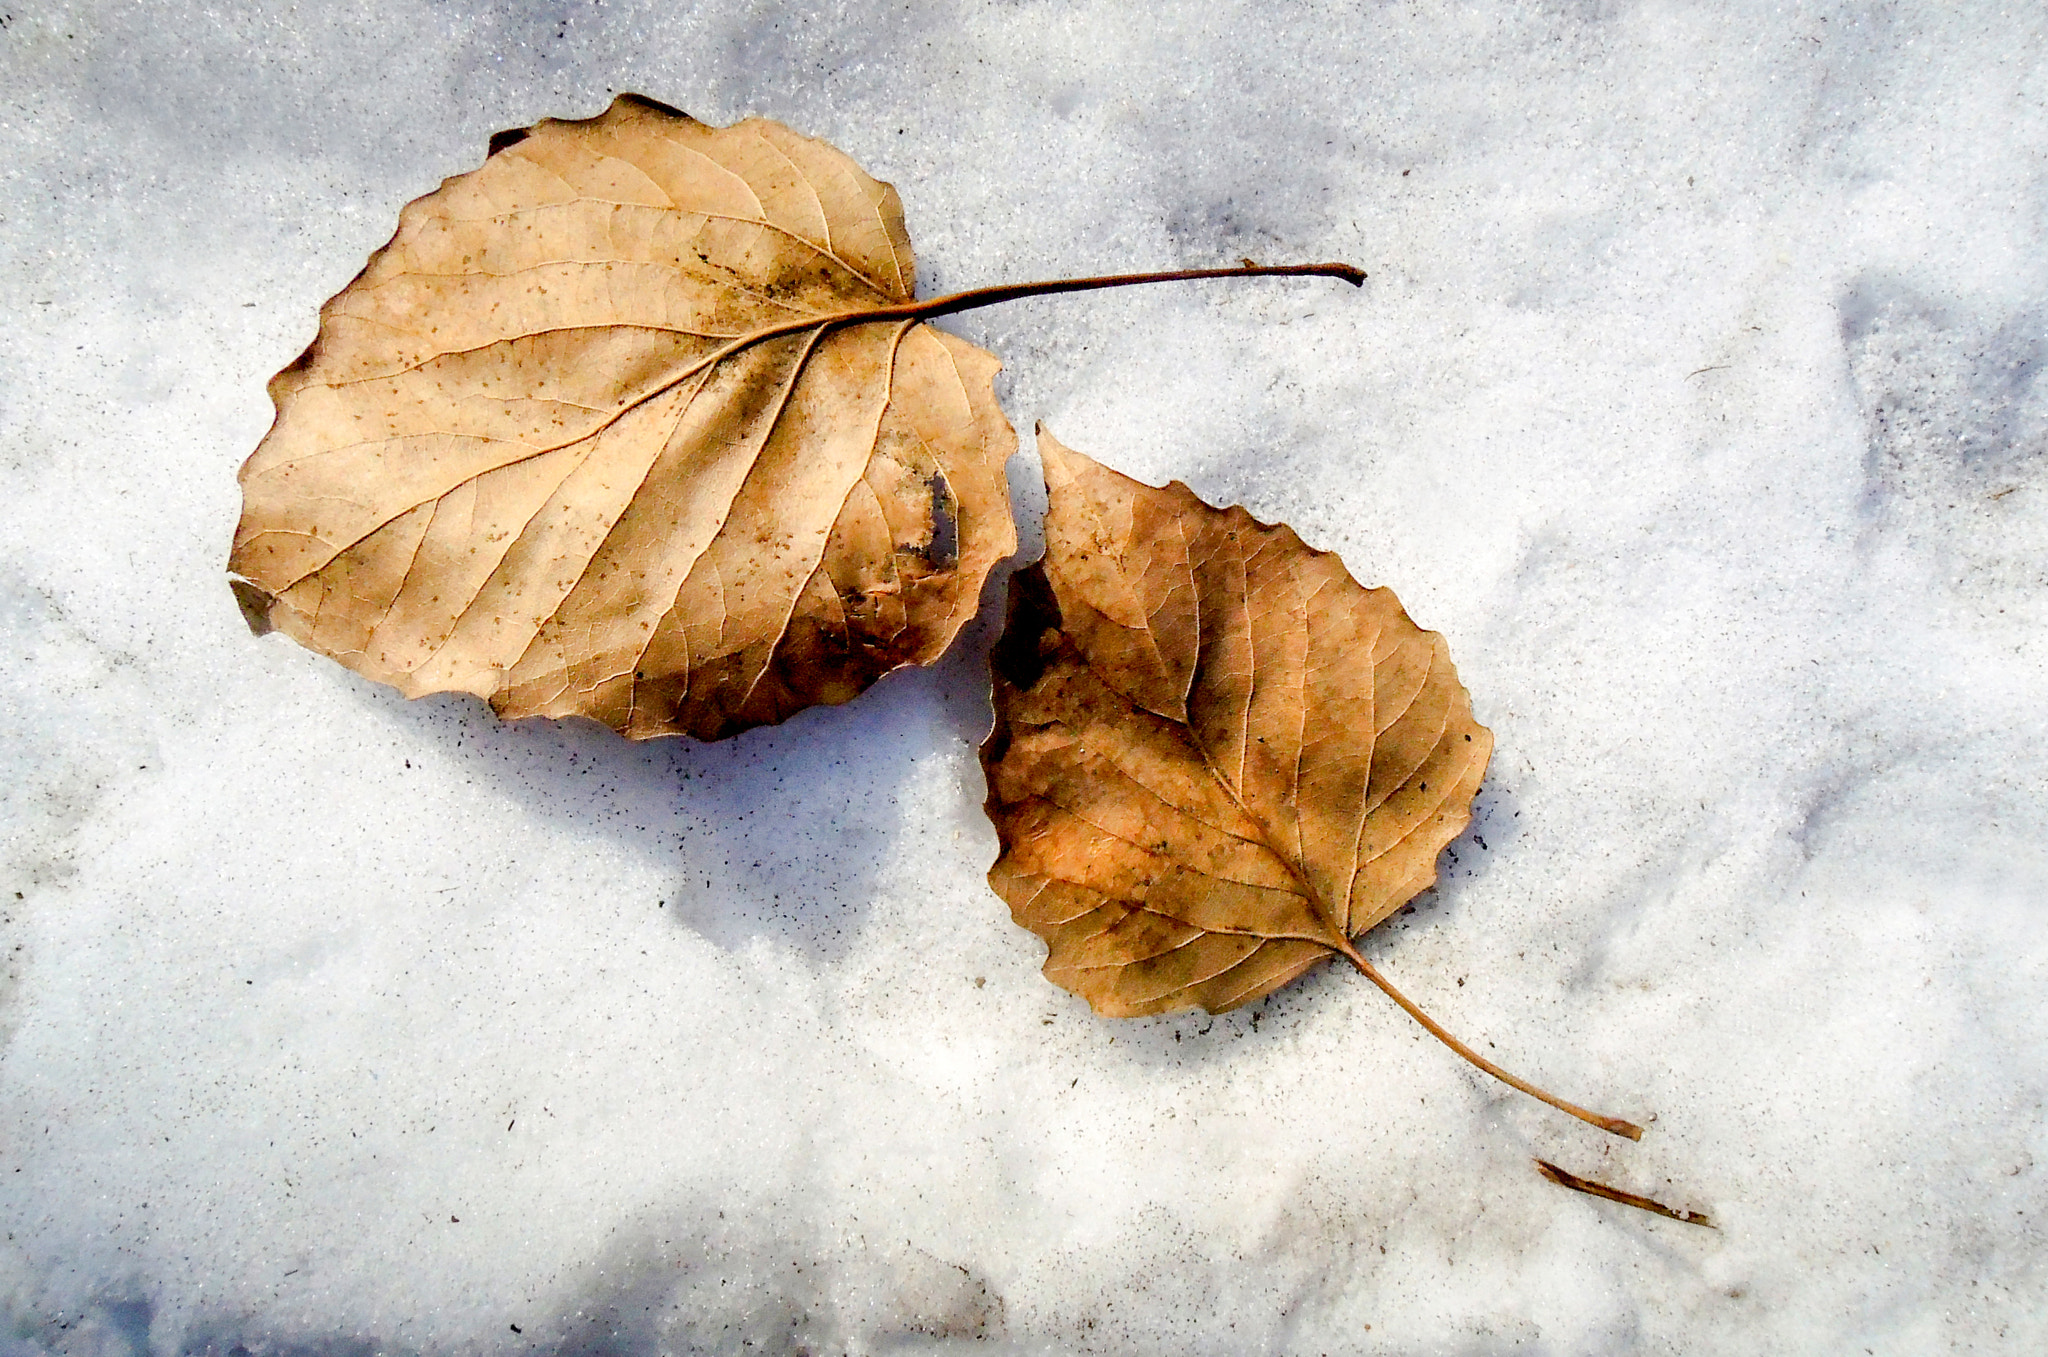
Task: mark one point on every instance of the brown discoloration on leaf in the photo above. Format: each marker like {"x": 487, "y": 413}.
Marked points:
{"x": 1217, "y": 758}
{"x": 594, "y": 435}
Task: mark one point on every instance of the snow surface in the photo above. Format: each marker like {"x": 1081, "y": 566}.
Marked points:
{"x": 1697, "y": 397}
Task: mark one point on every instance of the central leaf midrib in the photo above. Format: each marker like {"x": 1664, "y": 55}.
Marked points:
{"x": 1195, "y": 675}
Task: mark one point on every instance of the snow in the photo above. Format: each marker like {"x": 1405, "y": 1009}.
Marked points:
{"x": 1697, "y": 397}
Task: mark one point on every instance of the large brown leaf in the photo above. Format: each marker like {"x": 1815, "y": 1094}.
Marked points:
{"x": 1217, "y": 758}
{"x": 601, "y": 432}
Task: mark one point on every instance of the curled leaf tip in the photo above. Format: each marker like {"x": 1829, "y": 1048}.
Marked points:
{"x": 255, "y": 605}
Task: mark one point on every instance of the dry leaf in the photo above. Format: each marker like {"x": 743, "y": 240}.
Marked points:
{"x": 630, "y": 423}
{"x": 1216, "y": 758}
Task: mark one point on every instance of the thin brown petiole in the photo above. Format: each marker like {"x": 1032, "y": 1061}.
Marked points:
{"x": 1614, "y": 1125}
{"x": 949, "y": 305}
{"x": 1615, "y": 1194}
{"x": 956, "y": 302}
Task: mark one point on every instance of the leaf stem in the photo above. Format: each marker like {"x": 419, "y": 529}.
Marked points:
{"x": 1614, "y": 1125}
{"x": 975, "y": 298}
{"x": 952, "y": 304}
{"x": 1564, "y": 1178}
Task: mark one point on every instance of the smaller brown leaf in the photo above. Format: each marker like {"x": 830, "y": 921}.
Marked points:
{"x": 1216, "y": 758}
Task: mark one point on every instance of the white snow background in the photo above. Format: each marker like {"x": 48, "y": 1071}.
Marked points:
{"x": 1697, "y": 397}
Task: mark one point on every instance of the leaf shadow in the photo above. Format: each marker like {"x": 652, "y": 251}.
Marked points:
{"x": 781, "y": 833}
{"x": 718, "y": 1272}
{"x": 708, "y": 1271}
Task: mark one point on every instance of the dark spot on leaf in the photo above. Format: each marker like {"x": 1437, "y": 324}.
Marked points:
{"x": 943, "y": 551}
